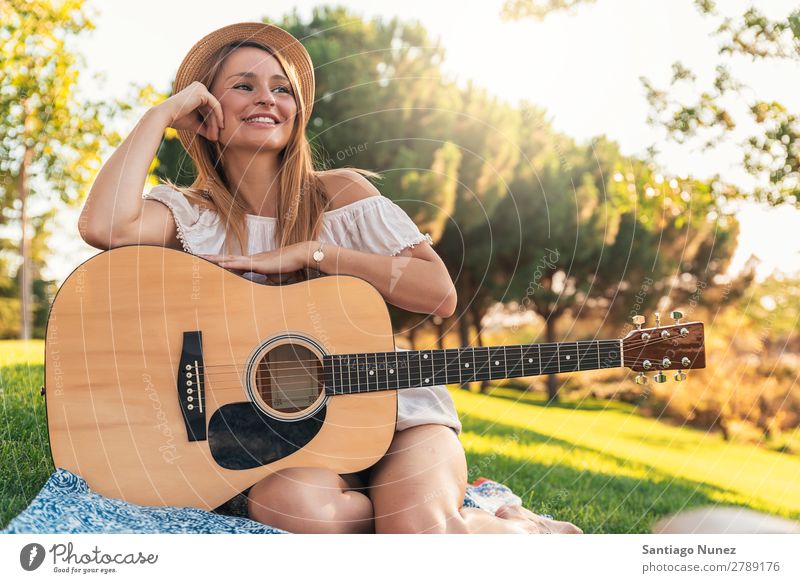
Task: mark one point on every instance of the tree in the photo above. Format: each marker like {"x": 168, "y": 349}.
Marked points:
{"x": 50, "y": 142}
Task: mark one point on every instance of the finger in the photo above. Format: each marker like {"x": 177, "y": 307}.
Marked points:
{"x": 218, "y": 112}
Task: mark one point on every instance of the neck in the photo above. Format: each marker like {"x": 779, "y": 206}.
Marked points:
{"x": 254, "y": 180}
{"x": 383, "y": 371}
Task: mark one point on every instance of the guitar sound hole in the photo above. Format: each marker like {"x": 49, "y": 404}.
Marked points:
{"x": 289, "y": 378}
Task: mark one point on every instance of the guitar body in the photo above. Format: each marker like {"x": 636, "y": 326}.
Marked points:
{"x": 131, "y": 328}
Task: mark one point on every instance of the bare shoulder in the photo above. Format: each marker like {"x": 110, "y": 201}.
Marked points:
{"x": 346, "y": 187}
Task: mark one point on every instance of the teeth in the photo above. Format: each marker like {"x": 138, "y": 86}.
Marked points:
{"x": 261, "y": 120}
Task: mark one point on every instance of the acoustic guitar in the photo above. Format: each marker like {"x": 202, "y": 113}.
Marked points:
{"x": 172, "y": 381}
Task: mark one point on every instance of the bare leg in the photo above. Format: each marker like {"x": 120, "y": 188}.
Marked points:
{"x": 419, "y": 485}
{"x": 310, "y": 500}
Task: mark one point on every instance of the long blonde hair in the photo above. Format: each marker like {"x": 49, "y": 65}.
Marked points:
{"x": 302, "y": 199}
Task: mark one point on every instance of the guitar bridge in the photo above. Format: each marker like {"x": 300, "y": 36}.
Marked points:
{"x": 191, "y": 386}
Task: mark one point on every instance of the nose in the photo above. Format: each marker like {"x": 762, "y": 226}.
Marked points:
{"x": 266, "y": 97}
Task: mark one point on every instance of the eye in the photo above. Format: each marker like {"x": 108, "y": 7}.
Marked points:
{"x": 285, "y": 88}
{"x": 241, "y": 85}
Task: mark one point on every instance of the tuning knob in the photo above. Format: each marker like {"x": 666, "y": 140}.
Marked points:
{"x": 660, "y": 377}
{"x": 685, "y": 361}
{"x": 638, "y": 320}
{"x": 641, "y": 379}
{"x": 676, "y": 315}
{"x": 680, "y": 376}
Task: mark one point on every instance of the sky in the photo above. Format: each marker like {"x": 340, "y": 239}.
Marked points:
{"x": 583, "y": 68}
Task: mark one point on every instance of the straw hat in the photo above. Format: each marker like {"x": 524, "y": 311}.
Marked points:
{"x": 272, "y": 36}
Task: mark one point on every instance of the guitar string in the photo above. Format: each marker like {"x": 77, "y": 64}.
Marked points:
{"x": 544, "y": 346}
{"x": 591, "y": 362}
{"x": 588, "y": 360}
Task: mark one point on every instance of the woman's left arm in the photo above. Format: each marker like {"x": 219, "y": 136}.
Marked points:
{"x": 416, "y": 279}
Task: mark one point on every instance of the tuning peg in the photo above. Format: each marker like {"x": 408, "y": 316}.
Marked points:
{"x": 680, "y": 376}
{"x": 676, "y": 315}
{"x": 660, "y": 377}
{"x": 638, "y": 320}
{"x": 641, "y": 379}
{"x": 658, "y": 319}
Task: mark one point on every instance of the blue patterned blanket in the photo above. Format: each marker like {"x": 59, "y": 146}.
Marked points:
{"x": 66, "y": 505}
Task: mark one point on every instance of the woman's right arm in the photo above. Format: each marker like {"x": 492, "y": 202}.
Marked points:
{"x": 115, "y": 213}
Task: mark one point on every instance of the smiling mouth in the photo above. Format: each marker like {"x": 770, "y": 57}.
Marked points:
{"x": 262, "y": 122}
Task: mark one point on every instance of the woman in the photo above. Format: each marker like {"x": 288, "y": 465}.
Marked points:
{"x": 241, "y": 102}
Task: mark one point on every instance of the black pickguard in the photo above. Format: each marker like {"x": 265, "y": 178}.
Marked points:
{"x": 242, "y": 437}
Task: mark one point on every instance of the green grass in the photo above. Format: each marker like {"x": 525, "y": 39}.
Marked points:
{"x": 595, "y": 463}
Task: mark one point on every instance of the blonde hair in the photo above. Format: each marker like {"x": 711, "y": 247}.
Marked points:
{"x": 301, "y": 196}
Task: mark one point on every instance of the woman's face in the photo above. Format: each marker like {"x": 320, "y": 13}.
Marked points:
{"x": 253, "y": 84}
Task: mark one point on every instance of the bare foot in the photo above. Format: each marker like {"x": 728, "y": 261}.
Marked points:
{"x": 533, "y": 523}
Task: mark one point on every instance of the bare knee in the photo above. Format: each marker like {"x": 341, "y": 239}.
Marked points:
{"x": 309, "y": 500}
{"x": 421, "y": 522}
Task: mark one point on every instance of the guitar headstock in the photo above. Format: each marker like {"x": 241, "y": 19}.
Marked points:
{"x": 675, "y": 347}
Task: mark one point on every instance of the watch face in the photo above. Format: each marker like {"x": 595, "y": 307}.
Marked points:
{"x": 318, "y": 256}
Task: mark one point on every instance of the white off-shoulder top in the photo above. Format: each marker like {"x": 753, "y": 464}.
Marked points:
{"x": 373, "y": 225}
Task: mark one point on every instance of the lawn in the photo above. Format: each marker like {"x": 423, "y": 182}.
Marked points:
{"x": 595, "y": 463}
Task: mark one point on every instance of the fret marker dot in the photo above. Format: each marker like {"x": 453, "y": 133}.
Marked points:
{"x": 530, "y": 360}
{"x": 568, "y": 357}
{"x": 497, "y": 362}
{"x": 372, "y": 372}
{"x": 424, "y": 356}
{"x": 466, "y": 365}
{"x": 427, "y": 380}
{"x": 391, "y": 371}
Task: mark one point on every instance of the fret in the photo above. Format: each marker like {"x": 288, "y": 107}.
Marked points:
{"x": 515, "y": 354}
{"x": 466, "y": 361}
{"x": 530, "y": 360}
{"x": 348, "y": 365}
{"x": 549, "y": 358}
{"x": 426, "y": 368}
{"x": 568, "y": 355}
{"x": 481, "y": 360}
{"x": 404, "y": 369}
{"x": 584, "y": 359}
{"x": 451, "y": 365}
{"x": 381, "y": 371}
{"x": 337, "y": 372}
{"x": 497, "y": 367}
{"x": 505, "y": 364}
{"x": 392, "y": 358}
{"x": 330, "y": 383}
{"x": 610, "y": 356}
{"x": 599, "y": 360}
{"x": 558, "y": 357}
{"x": 357, "y": 372}
{"x": 372, "y": 381}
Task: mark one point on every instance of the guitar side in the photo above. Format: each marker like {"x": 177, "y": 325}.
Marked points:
{"x": 115, "y": 337}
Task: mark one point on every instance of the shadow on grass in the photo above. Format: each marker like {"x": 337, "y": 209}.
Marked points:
{"x": 595, "y": 501}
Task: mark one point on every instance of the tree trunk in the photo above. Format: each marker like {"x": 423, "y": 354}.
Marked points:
{"x": 25, "y": 284}
{"x": 440, "y": 339}
{"x": 412, "y": 337}
{"x": 552, "y": 380}
{"x": 477, "y": 315}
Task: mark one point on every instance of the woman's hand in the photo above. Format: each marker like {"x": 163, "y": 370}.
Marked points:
{"x": 281, "y": 261}
{"x": 196, "y": 110}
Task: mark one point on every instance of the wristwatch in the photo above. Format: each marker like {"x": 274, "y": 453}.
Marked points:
{"x": 318, "y": 256}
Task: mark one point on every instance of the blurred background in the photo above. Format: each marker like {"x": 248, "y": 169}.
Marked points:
{"x": 577, "y": 163}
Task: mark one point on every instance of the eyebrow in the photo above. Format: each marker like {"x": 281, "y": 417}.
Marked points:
{"x": 250, "y": 75}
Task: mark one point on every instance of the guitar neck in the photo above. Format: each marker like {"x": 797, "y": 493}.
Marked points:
{"x": 383, "y": 371}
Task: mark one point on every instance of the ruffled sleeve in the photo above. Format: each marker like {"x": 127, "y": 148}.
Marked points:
{"x": 198, "y": 228}
{"x": 375, "y": 225}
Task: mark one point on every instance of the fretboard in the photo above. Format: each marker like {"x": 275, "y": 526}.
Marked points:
{"x": 383, "y": 371}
